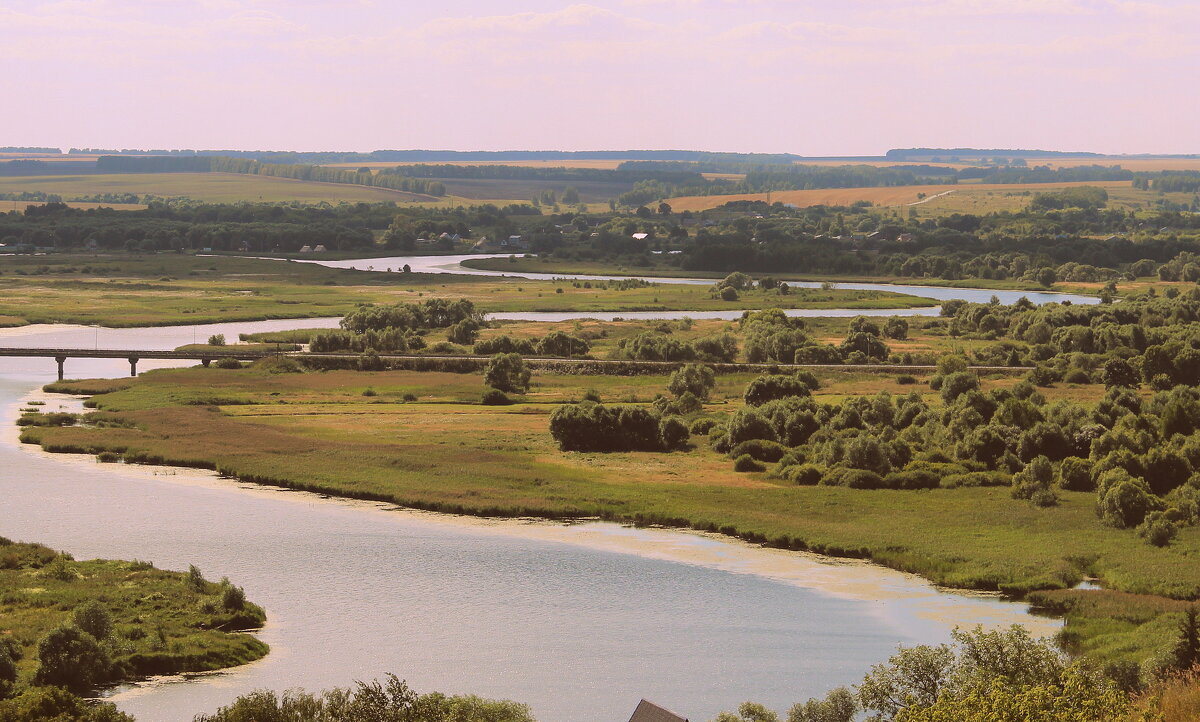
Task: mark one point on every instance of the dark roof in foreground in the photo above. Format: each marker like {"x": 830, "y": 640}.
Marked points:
{"x": 650, "y": 712}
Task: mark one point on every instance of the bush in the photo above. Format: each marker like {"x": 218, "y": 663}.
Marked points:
{"x": 216, "y": 339}
{"x": 729, "y": 293}
{"x": 906, "y": 380}
{"x": 702, "y": 425}
{"x": 770, "y": 387}
{"x": 278, "y": 365}
{"x": 760, "y": 450}
{"x": 507, "y": 372}
{"x": 557, "y": 343}
{"x": 748, "y": 424}
{"x": 745, "y": 462}
{"x": 673, "y": 433}
{"x": 860, "y": 479}
{"x": 370, "y": 361}
{"x": 1077, "y": 376}
{"x": 595, "y": 427}
{"x": 233, "y": 598}
{"x": 976, "y": 478}
{"x": 957, "y": 384}
{"x": 1157, "y": 530}
{"x": 696, "y": 379}
{"x": 71, "y": 658}
{"x": 495, "y": 397}
{"x": 94, "y": 619}
{"x": 803, "y": 474}
{"x": 808, "y": 378}
{"x": 228, "y": 363}
{"x": 1125, "y": 502}
{"x": 503, "y": 344}
{"x": 912, "y": 479}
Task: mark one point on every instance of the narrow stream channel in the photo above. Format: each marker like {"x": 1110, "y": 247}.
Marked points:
{"x": 580, "y": 621}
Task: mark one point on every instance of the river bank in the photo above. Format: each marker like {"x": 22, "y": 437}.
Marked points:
{"x": 465, "y": 608}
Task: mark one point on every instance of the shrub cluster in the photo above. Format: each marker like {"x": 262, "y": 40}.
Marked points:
{"x": 590, "y": 426}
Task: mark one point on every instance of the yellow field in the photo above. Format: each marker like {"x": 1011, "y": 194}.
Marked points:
{"x": 1133, "y": 164}
{"x": 883, "y": 196}
{"x": 215, "y": 187}
{"x": 6, "y": 206}
{"x": 562, "y": 163}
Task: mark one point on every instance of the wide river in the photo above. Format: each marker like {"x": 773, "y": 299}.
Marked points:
{"x": 454, "y": 264}
{"x": 579, "y": 621}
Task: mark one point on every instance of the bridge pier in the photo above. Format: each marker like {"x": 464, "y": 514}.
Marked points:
{"x": 133, "y": 365}
{"x": 61, "y": 361}
{"x": 206, "y": 362}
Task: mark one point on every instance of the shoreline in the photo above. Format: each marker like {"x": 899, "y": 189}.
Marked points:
{"x": 913, "y": 598}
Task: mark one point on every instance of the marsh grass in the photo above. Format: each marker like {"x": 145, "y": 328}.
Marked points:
{"x": 160, "y": 624}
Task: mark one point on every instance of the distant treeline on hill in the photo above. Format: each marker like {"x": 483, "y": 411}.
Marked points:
{"x": 763, "y": 179}
{"x": 677, "y": 173}
{"x": 434, "y": 156}
{"x": 28, "y": 149}
{"x": 41, "y": 167}
{"x": 1180, "y": 181}
{"x": 946, "y": 153}
{"x": 218, "y": 164}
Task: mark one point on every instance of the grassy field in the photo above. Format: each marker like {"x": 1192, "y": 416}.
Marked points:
{"x": 549, "y": 264}
{"x": 20, "y": 206}
{"x": 561, "y": 163}
{"x": 161, "y": 623}
{"x": 446, "y": 452}
{"x": 213, "y": 187}
{"x": 169, "y": 288}
{"x": 888, "y": 196}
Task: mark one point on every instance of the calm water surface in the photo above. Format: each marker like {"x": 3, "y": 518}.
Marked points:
{"x": 579, "y": 622}
{"x": 453, "y": 264}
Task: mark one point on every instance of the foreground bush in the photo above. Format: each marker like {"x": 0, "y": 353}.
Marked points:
{"x": 392, "y": 701}
{"x": 999, "y": 676}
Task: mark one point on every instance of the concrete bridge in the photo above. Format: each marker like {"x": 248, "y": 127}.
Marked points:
{"x": 422, "y": 362}
{"x": 133, "y": 356}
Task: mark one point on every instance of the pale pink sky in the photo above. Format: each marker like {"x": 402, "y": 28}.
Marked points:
{"x": 816, "y": 77}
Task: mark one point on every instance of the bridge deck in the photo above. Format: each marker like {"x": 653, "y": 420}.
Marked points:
{"x": 134, "y": 355}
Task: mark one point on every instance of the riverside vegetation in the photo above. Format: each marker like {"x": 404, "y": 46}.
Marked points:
{"x": 69, "y": 627}
{"x": 1083, "y": 469}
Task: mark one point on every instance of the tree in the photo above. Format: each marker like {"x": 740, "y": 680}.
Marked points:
{"x": 838, "y": 706}
{"x": 1125, "y": 502}
{"x": 770, "y": 387}
{"x": 1119, "y": 372}
{"x": 748, "y": 712}
{"x": 392, "y": 701}
{"x": 94, "y": 619}
{"x": 896, "y": 328}
{"x": 913, "y": 677}
{"x": 10, "y": 652}
{"x": 865, "y": 343}
{"x": 70, "y": 657}
{"x": 464, "y": 332}
{"x": 697, "y": 379}
{"x": 558, "y": 343}
{"x": 1046, "y": 277}
{"x": 957, "y": 384}
{"x": 1186, "y": 652}
{"x": 507, "y": 372}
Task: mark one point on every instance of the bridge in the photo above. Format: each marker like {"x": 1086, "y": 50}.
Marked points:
{"x": 417, "y": 361}
{"x": 133, "y": 356}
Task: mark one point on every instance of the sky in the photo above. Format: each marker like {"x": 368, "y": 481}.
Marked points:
{"x": 813, "y": 77}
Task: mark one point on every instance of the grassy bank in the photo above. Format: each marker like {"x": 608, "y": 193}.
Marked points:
{"x": 536, "y": 264}
{"x": 161, "y": 622}
{"x": 122, "y": 290}
{"x": 353, "y": 434}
